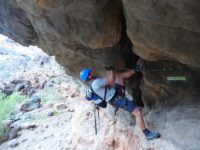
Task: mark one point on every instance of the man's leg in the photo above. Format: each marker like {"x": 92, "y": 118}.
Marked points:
{"x": 140, "y": 122}
{"x": 131, "y": 107}
{"x": 139, "y": 118}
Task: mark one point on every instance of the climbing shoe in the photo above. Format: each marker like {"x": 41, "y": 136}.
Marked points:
{"x": 151, "y": 135}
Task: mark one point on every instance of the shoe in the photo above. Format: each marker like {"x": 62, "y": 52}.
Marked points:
{"x": 151, "y": 135}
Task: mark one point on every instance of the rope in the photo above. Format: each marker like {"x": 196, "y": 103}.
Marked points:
{"x": 95, "y": 120}
{"x": 104, "y": 64}
{"x": 99, "y": 118}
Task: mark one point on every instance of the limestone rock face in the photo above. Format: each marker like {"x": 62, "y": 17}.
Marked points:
{"x": 167, "y": 29}
{"x": 94, "y": 24}
{"x": 15, "y": 24}
{"x": 171, "y": 94}
{"x": 71, "y": 29}
{"x": 90, "y": 30}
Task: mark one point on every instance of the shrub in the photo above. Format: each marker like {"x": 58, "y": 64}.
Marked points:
{"x": 7, "y": 105}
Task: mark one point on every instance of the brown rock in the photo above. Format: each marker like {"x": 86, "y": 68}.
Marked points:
{"x": 173, "y": 104}
{"x": 68, "y": 29}
{"x": 164, "y": 29}
{"x": 110, "y": 142}
{"x": 22, "y": 30}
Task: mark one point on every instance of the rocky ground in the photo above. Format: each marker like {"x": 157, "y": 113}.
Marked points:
{"x": 58, "y": 118}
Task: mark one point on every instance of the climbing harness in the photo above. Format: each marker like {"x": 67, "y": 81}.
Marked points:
{"x": 91, "y": 95}
{"x": 120, "y": 89}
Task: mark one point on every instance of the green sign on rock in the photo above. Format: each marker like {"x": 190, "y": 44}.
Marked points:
{"x": 176, "y": 78}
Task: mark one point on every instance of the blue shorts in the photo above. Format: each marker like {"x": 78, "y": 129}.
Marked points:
{"x": 123, "y": 103}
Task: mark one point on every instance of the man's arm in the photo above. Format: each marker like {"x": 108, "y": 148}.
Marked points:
{"x": 126, "y": 74}
{"x": 110, "y": 77}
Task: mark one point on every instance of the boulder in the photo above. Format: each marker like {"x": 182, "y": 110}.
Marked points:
{"x": 13, "y": 132}
{"x": 31, "y": 104}
{"x": 16, "y": 115}
{"x": 14, "y": 143}
{"x": 51, "y": 113}
{"x": 61, "y": 106}
{"x": 8, "y": 89}
{"x": 28, "y": 126}
{"x": 23, "y": 86}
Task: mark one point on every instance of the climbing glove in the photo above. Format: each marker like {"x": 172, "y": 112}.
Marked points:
{"x": 138, "y": 68}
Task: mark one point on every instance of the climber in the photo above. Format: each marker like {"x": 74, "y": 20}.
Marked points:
{"x": 103, "y": 90}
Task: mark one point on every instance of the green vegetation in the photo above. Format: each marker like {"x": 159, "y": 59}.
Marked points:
{"x": 7, "y": 105}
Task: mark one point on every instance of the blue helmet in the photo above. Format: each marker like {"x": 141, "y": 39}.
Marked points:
{"x": 84, "y": 74}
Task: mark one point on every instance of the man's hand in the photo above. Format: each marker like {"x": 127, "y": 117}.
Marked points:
{"x": 110, "y": 67}
{"x": 138, "y": 68}
{"x": 110, "y": 75}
